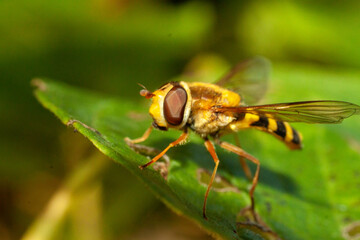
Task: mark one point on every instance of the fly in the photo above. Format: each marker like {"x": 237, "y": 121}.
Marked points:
{"x": 213, "y": 110}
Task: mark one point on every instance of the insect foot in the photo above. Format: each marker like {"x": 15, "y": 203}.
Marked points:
{"x": 249, "y": 219}
{"x": 161, "y": 166}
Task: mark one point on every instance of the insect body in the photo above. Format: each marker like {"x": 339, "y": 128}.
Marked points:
{"x": 208, "y": 118}
{"x": 211, "y": 111}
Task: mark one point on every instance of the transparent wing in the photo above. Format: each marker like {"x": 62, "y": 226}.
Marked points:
{"x": 308, "y": 112}
{"x": 248, "y": 78}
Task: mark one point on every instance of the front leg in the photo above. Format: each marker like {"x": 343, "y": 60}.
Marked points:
{"x": 140, "y": 139}
{"x": 181, "y": 139}
{"x": 149, "y": 151}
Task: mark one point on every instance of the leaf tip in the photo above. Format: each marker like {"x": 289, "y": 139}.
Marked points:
{"x": 39, "y": 84}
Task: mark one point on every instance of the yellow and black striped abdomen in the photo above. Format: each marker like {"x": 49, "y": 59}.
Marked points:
{"x": 281, "y": 130}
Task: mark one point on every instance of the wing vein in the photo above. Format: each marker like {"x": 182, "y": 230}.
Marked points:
{"x": 308, "y": 111}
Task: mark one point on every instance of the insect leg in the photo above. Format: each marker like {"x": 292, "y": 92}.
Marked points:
{"x": 182, "y": 138}
{"x": 242, "y": 160}
{"x": 210, "y": 147}
{"x": 242, "y": 153}
{"x": 142, "y": 138}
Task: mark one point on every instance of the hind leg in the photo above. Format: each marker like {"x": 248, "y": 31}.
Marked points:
{"x": 242, "y": 153}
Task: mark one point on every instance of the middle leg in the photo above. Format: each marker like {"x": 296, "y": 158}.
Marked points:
{"x": 210, "y": 147}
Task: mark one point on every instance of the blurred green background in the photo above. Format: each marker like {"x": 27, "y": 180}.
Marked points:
{"x": 109, "y": 46}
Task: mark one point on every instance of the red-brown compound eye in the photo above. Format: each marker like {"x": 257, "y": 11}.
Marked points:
{"x": 174, "y": 105}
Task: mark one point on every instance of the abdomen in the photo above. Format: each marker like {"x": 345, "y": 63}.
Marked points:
{"x": 281, "y": 130}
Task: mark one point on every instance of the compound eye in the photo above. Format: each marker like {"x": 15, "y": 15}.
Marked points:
{"x": 174, "y": 105}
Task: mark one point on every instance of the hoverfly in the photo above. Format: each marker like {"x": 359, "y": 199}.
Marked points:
{"x": 213, "y": 110}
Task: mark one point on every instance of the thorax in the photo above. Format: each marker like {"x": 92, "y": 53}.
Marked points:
{"x": 202, "y": 119}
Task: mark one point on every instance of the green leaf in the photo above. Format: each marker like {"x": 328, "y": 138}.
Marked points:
{"x": 308, "y": 194}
